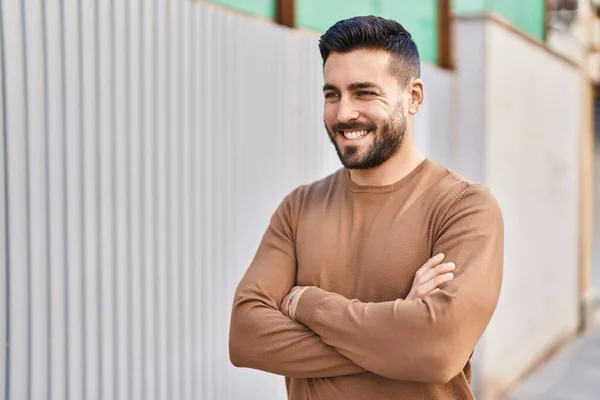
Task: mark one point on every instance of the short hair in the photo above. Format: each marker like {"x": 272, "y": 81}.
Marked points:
{"x": 370, "y": 32}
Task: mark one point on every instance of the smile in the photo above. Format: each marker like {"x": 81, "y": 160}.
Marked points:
{"x": 354, "y": 135}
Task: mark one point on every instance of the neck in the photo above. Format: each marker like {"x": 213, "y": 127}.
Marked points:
{"x": 397, "y": 167}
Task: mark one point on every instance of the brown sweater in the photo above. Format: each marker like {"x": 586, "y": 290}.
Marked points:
{"x": 355, "y": 336}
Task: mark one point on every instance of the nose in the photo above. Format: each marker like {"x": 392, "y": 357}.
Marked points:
{"x": 346, "y": 111}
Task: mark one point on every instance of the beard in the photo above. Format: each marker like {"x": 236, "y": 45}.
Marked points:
{"x": 387, "y": 140}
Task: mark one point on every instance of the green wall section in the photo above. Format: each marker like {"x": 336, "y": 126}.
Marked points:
{"x": 419, "y": 17}
{"x": 469, "y": 6}
{"x": 528, "y": 15}
{"x": 262, "y": 8}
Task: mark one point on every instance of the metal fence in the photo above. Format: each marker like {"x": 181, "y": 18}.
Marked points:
{"x": 144, "y": 146}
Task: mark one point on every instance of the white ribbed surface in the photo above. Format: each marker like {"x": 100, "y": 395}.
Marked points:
{"x": 144, "y": 146}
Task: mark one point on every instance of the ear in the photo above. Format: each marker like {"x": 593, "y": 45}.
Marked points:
{"x": 416, "y": 91}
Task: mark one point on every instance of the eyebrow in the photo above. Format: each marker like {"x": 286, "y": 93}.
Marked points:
{"x": 354, "y": 86}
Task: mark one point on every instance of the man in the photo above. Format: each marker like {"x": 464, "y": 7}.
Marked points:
{"x": 340, "y": 297}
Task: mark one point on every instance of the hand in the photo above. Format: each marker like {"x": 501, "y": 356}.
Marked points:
{"x": 430, "y": 277}
{"x": 287, "y": 307}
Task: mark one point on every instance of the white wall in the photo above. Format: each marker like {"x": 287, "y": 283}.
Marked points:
{"x": 528, "y": 136}
{"x": 144, "y": 147}
{"x": 471, "y": 94}
{"x": 435, "y": 123}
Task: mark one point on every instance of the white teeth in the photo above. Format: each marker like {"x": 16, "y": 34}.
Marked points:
{"x": 355, "y": 134}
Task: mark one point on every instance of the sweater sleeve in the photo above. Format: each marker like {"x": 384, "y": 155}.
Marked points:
{"x": 427, "y": 340}
{"x": 261, "y": 337}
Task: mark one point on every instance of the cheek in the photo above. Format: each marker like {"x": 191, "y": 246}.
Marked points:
{"x": 330, "y": 113}
{"x": 374, "y": 113}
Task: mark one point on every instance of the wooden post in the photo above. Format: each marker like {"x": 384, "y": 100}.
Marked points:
{"x": 445, "y": 35}
{"x": 286, "y": 13}
{"x": 546, "y": 20}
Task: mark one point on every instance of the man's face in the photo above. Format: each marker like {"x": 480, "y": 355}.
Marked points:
{"x": 364, "y": 107}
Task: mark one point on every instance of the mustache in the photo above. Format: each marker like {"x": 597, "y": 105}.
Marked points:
{"x": 340, "y": 126}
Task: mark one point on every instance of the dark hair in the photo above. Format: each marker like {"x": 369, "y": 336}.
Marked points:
{"x": 370, "y": 32}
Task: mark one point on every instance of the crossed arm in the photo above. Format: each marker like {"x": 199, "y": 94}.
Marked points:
{"x": 261, "y": 336}
{"x": 428, "y": 339}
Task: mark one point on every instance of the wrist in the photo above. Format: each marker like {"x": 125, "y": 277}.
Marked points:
{"x": 294, "y": 300}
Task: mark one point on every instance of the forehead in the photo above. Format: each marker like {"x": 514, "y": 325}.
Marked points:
{"x": 364, "y": 65}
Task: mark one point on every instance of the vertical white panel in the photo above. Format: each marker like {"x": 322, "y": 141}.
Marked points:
{"x": 277, "y": 142}
{"x": 173, "y": 134}
{"x": 197, "y": 244}
{"x": 149, "y": 171}
{"x": 91, "y": 174}
{"x": 17, "y": 201}
{"x": 302, "y": 88}
{"x": 207, "y": 262}
{"x": 121, "y": 187}
{"x": 160, "y": 171}
{"x": 136, "y": 315}
{"x": 56, "y": 198}
{"x": 74, "y": 191}
{"x": 3, "y": 223}
{"x": 242, "y": 116}
{"x": 186, "y": 307}
{"x": 224, "y": 188}
{"x": 175, "y": 138}
{"x": 36, "y": 97}
{"x": 106, "y": 198}
{"x": 221, "y": 186}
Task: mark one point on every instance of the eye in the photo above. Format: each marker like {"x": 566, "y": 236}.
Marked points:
{"x": 331, "y": 95}
{"x": 365, "y": 93}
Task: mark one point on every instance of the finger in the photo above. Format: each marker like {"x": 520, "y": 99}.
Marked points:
{"x": 434, "y": 283}
{"x": 435, "y": 271}
{"x": 432, "y": 262}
